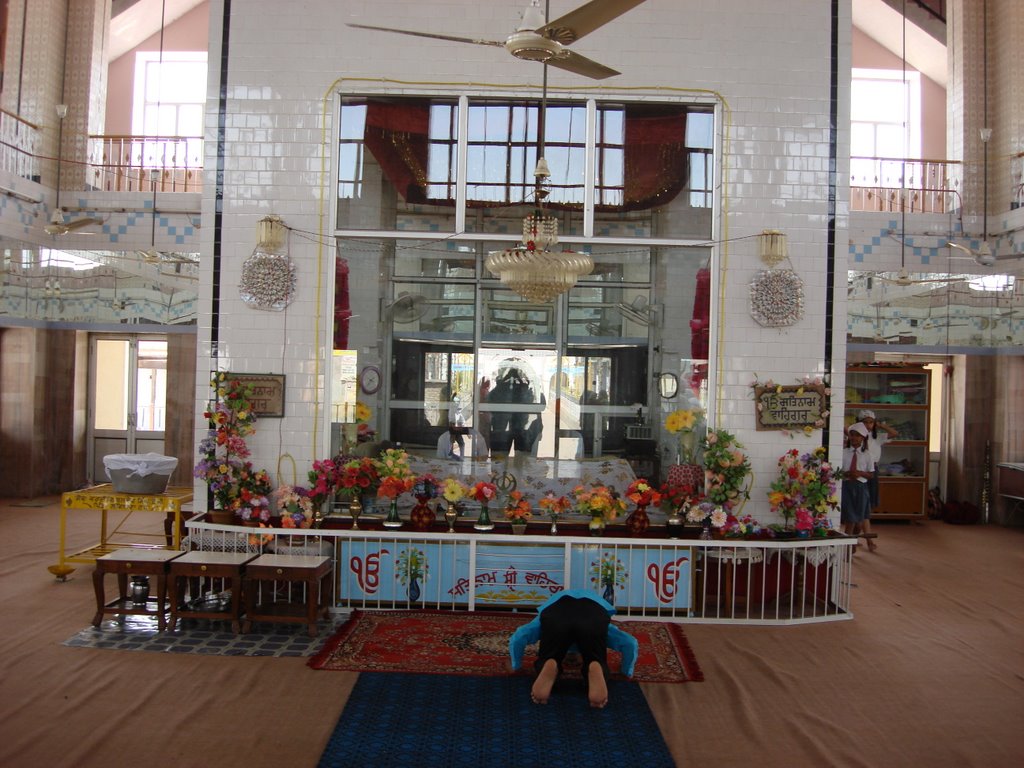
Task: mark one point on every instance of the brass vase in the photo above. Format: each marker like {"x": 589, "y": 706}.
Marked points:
{"x": 355, "y": 509}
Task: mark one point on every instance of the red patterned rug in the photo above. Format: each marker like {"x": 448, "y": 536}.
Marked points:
{"x": 476, "y": 643}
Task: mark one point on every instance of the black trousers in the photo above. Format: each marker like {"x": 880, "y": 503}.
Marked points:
{"x": 571, "y": 620}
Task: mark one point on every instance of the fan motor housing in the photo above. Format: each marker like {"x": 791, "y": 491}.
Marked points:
{"x": 532, "y": 47}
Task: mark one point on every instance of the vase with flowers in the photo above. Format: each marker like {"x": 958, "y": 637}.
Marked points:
{"x": 726, "y": 469}
{"x": 294, "y": 505}
{"x": 454, "y": 493}
{"x": 396, "y": 478}
{"x": 643, "y": 494}
{"x": 601, "y": 502}
{"x": 424, "y": 489}
{"x": 804, "y": 490}
{"x": 517, "y": 511}
{"x": 677, "y": 498}
{"x": 484, "y": 492}
{"x": 709, "y": 515}
{"x": 324, "y": 480}
{"x": 239, "y": 490}
{"x": 554, "y": 506}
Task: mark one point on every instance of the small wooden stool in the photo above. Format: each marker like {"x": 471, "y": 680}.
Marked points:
{"x": 138, "y": 562}
{"x": 309, "y": 572}
{"x": 194, "y": 566}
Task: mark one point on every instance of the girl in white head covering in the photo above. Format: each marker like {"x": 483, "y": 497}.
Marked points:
{"x": 855, "y": 505}
{"x": 879, "y": 433}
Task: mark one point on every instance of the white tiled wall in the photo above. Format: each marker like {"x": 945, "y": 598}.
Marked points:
{"x": 767, "y": 65}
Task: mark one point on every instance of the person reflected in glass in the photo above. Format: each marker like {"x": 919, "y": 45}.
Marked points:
{"x": 508, "y": 428}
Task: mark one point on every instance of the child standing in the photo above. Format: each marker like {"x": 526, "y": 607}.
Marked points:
{"x": 858, "y": 468}
{"x": 879, "y": 433}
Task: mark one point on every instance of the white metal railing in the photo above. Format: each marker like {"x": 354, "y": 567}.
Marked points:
{"x": 137, "y": 163}
{"x": 889, "y": 184}
{"x": 725, "y": 581}
{"x": 19, "y": 141}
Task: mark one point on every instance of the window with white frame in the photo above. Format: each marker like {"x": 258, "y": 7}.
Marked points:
{"x": 885, "y": 122}
{"x": 170, "y": 93}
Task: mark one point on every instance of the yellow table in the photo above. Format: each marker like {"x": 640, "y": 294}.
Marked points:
{"x": 106, "y": 499}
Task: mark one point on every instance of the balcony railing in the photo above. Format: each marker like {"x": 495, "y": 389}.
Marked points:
{"x": 19, "y": 141}
{"x": 142, "y": 163}
{"x": 889, "y": 184}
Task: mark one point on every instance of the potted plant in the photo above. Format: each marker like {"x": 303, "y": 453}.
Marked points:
{"x": 554, "y": 506}
{"x": 454, "y": 493}
{"x": 395, "y": 479}
{"x": 643, "y": 494}
{"x": 709, "y": 515}
{"x": 517, "y": 511}
{"x": 484, "y": 492}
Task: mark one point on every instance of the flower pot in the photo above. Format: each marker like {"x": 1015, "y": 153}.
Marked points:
{"x": 674, "y": 525}
{"x": 393, "y": 520}
{"x": 638, "y": 521}
{"x": 422, "y": 517}
{"x": 483, "y": 521}
{"x": 596, "y": 526}
{"x": 518, "y": 528}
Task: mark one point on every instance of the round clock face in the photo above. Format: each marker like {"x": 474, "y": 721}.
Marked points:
{"x": 369, "y": 379}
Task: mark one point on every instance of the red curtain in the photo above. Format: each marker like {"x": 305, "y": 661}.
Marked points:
{"x": 655, "y": 157}
{"x": 342, "y": 312}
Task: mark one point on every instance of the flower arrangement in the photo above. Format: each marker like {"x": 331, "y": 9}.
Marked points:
{"x": 517, "y": 508}
{"x": 324, "y": 480}
{"x": 609, "y": 572}
{"x": 683, "y": 423}
{"x": 707, "y": 513}
{"x": 741, "y": 527}
{"x": 235, "y": 484}
{"x": 411, "y": 565}
{"x": 484, "y": 492}
{"x": 294, "y": 506}
{"x": 358, "y": 477}
{"x": 364, "y": 432}
{"x": 453, "y": 491}
{"x": 554, "y": 505}
{"x": 395, "y": 475}
{"x": 642, "y": 493}
{"x": 805, "y": 488}
{"x": 726, "y": 468}
{"x": 599, "y": 501}
{"x": 679, "y": 496}
{"x": 425, "y": 488}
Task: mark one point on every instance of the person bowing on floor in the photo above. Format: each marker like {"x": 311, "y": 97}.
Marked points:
{"x": 574, "y": 618}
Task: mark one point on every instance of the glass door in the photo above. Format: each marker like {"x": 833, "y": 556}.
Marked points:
{"x": 127, "y": 397}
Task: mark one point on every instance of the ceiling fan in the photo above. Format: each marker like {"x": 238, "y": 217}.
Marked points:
{"x": 535, "y": 40}
{"x": 58, "y": 226}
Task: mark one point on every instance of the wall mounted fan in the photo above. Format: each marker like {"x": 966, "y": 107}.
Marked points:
{"x": 408, "y": 308}
{"x": 639, "y": 311}
{"x": 534, "y": 40}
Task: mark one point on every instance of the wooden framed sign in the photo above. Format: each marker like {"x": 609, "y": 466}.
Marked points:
{"x": 267, "y": 392}
{"x": 790, "y": 407}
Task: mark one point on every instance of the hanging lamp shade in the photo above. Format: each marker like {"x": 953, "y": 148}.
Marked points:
{"x": 531, "y": 269}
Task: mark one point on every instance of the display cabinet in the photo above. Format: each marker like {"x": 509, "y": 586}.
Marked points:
{"x": 899, "y": 396}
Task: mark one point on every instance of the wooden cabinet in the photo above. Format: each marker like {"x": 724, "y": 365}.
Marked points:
{"x": 900, "y": 397}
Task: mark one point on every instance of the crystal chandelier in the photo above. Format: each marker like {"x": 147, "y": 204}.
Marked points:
{"x": 531, "y": 269}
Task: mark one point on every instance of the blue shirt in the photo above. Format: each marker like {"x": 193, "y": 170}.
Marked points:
{"x": 617, "y": 640}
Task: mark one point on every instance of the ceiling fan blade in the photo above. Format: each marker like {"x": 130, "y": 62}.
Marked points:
{"x": 581, "y": 65}
{"x": 585, "y": 19}
{"x": 450, "y": 38}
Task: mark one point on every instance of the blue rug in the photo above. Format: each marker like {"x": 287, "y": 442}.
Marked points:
{"x": 449, "y": 721}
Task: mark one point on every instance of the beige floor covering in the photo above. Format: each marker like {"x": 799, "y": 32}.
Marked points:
{"x": 929, "y": 673}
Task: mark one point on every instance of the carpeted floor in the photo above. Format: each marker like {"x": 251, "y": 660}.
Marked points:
{"x": 436, "y": 721}
{"x": 460, "y": 643}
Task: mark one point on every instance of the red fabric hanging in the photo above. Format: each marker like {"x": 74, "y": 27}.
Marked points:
{"x": 342, "y": 312}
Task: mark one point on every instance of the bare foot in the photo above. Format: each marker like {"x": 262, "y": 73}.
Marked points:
{"x": 597, "y": 686}
{"x": 541, "y": 691}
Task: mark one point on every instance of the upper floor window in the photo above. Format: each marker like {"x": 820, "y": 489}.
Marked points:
{"x": 885, "y": 114}
{"x": 170, "y": 95}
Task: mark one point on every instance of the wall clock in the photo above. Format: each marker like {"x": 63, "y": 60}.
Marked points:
{"x": 369, "y": 379}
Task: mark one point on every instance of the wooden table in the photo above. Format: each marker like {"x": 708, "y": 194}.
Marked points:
{"x": 307, "y": 573}
{"x": 131, "y": 561}
{"x": 115, "y": 536}
{"x": 227, "y": 566}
